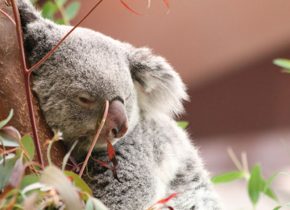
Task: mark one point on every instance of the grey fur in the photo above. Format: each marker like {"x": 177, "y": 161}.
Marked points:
{"x": 156, "y": 157}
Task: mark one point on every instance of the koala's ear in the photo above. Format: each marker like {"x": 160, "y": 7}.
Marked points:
{"x": 159, "y": 87}
{"x": 36, "y": 30}
{"x": 28, "y": 13}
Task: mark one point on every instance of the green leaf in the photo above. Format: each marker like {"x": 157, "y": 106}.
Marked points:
{"x": 228, "y": 177}
{"x": 9, "y": 137}
{"x": 4, "y": 122}
{"x": 277, "y": 207}
{"x": 67, "y": 155}
{"x": 78, "y": 182}
{"x": 28, "y": 146}
{"x": 6, "y": 171}
{"x": 183, "y": 124}
{"x": 60, "y": 21}
{"x": 255, "y": 184}
{"x": 28, "y": 180}
{"x": 54, "y": 177}
{"x": 283, "y": 63}
{"x": 270, "y": 193}
{"x": 72, "y": 10}
{"x": 60, "y": 2}
{"x": 48, "y": 10}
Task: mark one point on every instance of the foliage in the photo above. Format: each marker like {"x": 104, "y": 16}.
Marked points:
{"x": 60, "y": 11}
{"x": 283, "y": 63}
{"x": 257, "y": 185}
{"x": 25, "y": 185}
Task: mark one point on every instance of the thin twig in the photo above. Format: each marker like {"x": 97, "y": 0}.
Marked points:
{"x": 245, "y": 162}
{"x": 27, "y": 75}
{"x": 102, "y": 123}
{"x": 62, "y": 12}
{"x": 27, "y": 72}
{"x": 8, "y": 16}
{"x": 35, "y": 66}
{"x": 235, "y": 159}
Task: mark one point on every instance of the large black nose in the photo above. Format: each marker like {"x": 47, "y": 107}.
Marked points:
{"x": 116, "y": 124}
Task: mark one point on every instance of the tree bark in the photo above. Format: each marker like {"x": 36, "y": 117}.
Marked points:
{"x": 12, "y": 89}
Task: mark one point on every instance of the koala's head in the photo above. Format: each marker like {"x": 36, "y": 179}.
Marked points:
{"x": 89, "y": 68}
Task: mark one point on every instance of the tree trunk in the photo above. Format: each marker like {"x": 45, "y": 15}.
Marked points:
{"x": 12, "y": 89}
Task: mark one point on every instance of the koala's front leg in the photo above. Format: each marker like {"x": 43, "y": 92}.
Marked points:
{"x": 133, "y": 192}
{"x": 195, "y": 190}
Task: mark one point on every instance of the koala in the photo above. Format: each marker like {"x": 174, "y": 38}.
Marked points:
{"x": 156, "y": 158}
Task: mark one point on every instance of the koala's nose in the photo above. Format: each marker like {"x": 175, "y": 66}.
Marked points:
{"x": 117, "y": 122}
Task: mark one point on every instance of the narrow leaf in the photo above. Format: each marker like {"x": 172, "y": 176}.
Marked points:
{"x": 6, "y": 171}
{"x": 4, "y": 122}
{"x": 17, "y": 173}
{"x": 167, "y": 199}
{"x": 167, "y": 4}
{"x": 72, "y": 10}
{"x": 28, "y": 180}
{"x": 129, "y": 8}
{"x": 66, "y": 157}
{"x": 54, "y": 177}
{"x": 111, "y": 151}
{"x": 183, "y": 124}
{"x": 60, "y": 2}
{"x": 78, "y": 182}
{"x": 28, "y": 146}
{"x": 283, "y": 63}
{"x": 228, "y": 177}
{"x": 255, "y": 184}
{"x": 49, "y": 9}
{"x": 10, "y": 137}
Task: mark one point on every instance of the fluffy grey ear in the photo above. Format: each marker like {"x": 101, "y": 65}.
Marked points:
{"x": 160, "y": 88}
{"x": 28, "y": 13}
{"x": 37, "y": 31}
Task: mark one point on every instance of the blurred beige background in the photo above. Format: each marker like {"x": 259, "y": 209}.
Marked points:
{"x": 223, "y": 50}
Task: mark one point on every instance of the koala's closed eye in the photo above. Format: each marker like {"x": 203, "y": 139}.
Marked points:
{"x": 86, "y": 101}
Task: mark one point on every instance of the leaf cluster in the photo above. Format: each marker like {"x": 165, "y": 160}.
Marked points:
{"x": 257, "y": 185}
{"x": 60, "y": 11}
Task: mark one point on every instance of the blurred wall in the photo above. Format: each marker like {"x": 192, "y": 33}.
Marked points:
{"x": 203, "y": 39}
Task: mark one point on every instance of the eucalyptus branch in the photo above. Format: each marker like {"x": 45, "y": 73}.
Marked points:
{"x": 27, "y": 72}
{"x": 39, "y": 63}
{"x": 8, "y": 16}
{"x": 102, "y": 123}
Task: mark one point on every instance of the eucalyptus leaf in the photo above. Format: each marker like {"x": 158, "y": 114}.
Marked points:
{"x": 9, "y": 137}
{"x": 6, "y": 169}
{"x": 60, "y": 2}
{"x": 28, "y": 180}
{"x": 67, "y": 155}
{"x": 183, "y": 124}
{"x": 78, "y": 182}
{"x": 54, "y": 177}
{"x": 60, "y": 21}
{"x": 49, "y": 9}
{"x": 28, "y": 146}
{"x": 283, "y": 63}
{"x": 5, "y": 121}
{"x": 255, "y": 184}
{"x": 72, "y": 10}
{"x": 228, "y": 177}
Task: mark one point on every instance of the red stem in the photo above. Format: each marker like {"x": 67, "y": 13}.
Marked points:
{"x": 27, "y": 75}
{"x": 35, "y": 66}
{"x": 8, "y": 16}
{"x": 27, "y": 72}
{"x": 95, "y": 138}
